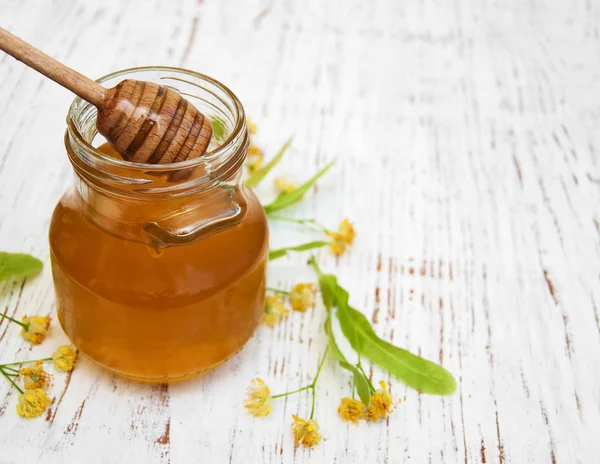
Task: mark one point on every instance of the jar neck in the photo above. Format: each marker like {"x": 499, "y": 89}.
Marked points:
{"x": 170, "y": 204}
{"x": 165, "y": 221}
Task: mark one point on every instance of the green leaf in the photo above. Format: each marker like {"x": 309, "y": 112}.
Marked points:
{"x": 327, "y": 285}
{"x": 275, "y": 254}
{"x": 360, "y": 382}
{"x": 287, "y": 199}
{"x": 18, "y": 265}
{"x": 414, "y": 371}
{"x": 218, "y": 126}
{"x": 334, "y": 349}
{"x": 259, "y": 174}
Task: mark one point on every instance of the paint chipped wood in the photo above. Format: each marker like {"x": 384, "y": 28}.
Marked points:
{"x": 467, "y": 145}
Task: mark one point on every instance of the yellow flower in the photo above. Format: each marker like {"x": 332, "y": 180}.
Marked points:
{"x": 34, "y": 376}
{"x": 32, "y": 403}
{"x": 302, "y": 297}
{"x": 275, "y": 310}
{"x": 251, "y": 126}
{"x": 284, "y": 185}
{"x": 351, "y": 410}
{"x": 381, "y": 404}
{"x": 258, "y": 398}
{"x": 343, "y": 238}
{"x": 64, "y": 357}
{"x": 306, "y": 432}
{"x": 254, "y": 151}
{"x": 254, "y": 164}
{"x": 36, "y": 328}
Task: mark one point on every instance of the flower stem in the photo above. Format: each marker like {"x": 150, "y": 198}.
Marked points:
{"x": 292, "y": 392}
{"x": 11, "y": 381}
{"x": 304, "y": 222}
{"x": 314, "y": 382}
{"x": 312, "y": 409}
{"x": 371, "y": 387}
{"x": 24, "y": 362}
{"x": 310, "y": 386}
{"x": 276, "y": 290}
{"x": 25, "y": 326}
{"x": 10, "y": 368}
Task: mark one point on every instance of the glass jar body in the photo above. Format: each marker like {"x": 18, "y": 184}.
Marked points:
{"x": 151, "y": 316}
{"x": 158, "y": 309}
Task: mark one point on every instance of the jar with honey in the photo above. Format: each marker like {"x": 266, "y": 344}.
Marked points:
{"x": 159, "y": 270}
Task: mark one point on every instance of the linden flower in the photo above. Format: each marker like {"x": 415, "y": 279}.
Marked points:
{"x": 351, "y": 410}
{"x": 254, "y": 163}
{"x": 64, "y": 357}
{"x": 306, "y": 432}
{"x": 251, "y": 126}
{"x": 32, "y": 403}
{"x": 258, "y": 398}
{"x": 284, "y": 185}
{"x": 381, "y": 404}
{"x": 36, "y": 328}
{"x": 302, "y": 297}
{"x": 34, "y": 376}
{"x": 343, "y": 238}
{"x": 254, "y": 151}
{"x": 275, "y": 310}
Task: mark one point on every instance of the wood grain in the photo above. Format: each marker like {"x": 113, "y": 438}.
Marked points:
{"x": 467, "y": 144}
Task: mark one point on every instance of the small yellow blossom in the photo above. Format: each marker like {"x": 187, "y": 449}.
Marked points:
{"x": 275, "y": 310}
{"x": 32, "y": 403}
{"x": 254, "y": 151}
{"x": 351, "y": 410}
{"x": 381, "y": 404}
{"x": 302, "y": 297}
{"x": 64, "y": 357}
{"x": 258, "y": 398}
{"x": 36, "y": 328}
{"x": 306, "y": 432}
{"x": 34, "y": 376}
{"x": 255, "y": 163}
{"x": 343, "y": 238}
{"x": 251, "y": 126}
{"x": 284, "y": 185}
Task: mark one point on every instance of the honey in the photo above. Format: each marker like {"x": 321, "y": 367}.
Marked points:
{"x": 156, "y": 286}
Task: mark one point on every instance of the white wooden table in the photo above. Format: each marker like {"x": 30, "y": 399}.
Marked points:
{"x": 467, "y": 134}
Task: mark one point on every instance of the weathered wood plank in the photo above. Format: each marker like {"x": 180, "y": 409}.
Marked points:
{"x": 468, "y": 159}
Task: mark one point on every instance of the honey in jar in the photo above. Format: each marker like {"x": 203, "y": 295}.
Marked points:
{"x": 159, "y": 270}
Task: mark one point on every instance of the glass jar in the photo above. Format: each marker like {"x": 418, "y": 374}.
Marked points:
{"x": 159, "y": 270}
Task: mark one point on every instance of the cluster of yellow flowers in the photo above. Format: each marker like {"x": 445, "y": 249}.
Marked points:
{"x": 255, "y": 154}
{"x": 256, "y": 158}
{"x": 306, "y": 432}
{"x": 302, "y": 297}
{"x": 380, "y": 407}
{"x": 35, "y": 328}
{"x": 33, "y": 399}
{"x": 258, "y": 400}
{"x": 342, "y": 238}
{"x": 284, "y": 185}
{"x": 258, "y": 403}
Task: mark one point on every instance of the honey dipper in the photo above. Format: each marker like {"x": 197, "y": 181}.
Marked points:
{"x": 145, "y": 122}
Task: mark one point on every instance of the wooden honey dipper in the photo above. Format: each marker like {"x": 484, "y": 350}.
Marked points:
{"x": 145, "y": 122}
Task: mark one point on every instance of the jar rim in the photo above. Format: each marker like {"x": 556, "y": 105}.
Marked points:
{"x": 226, "y": 146}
